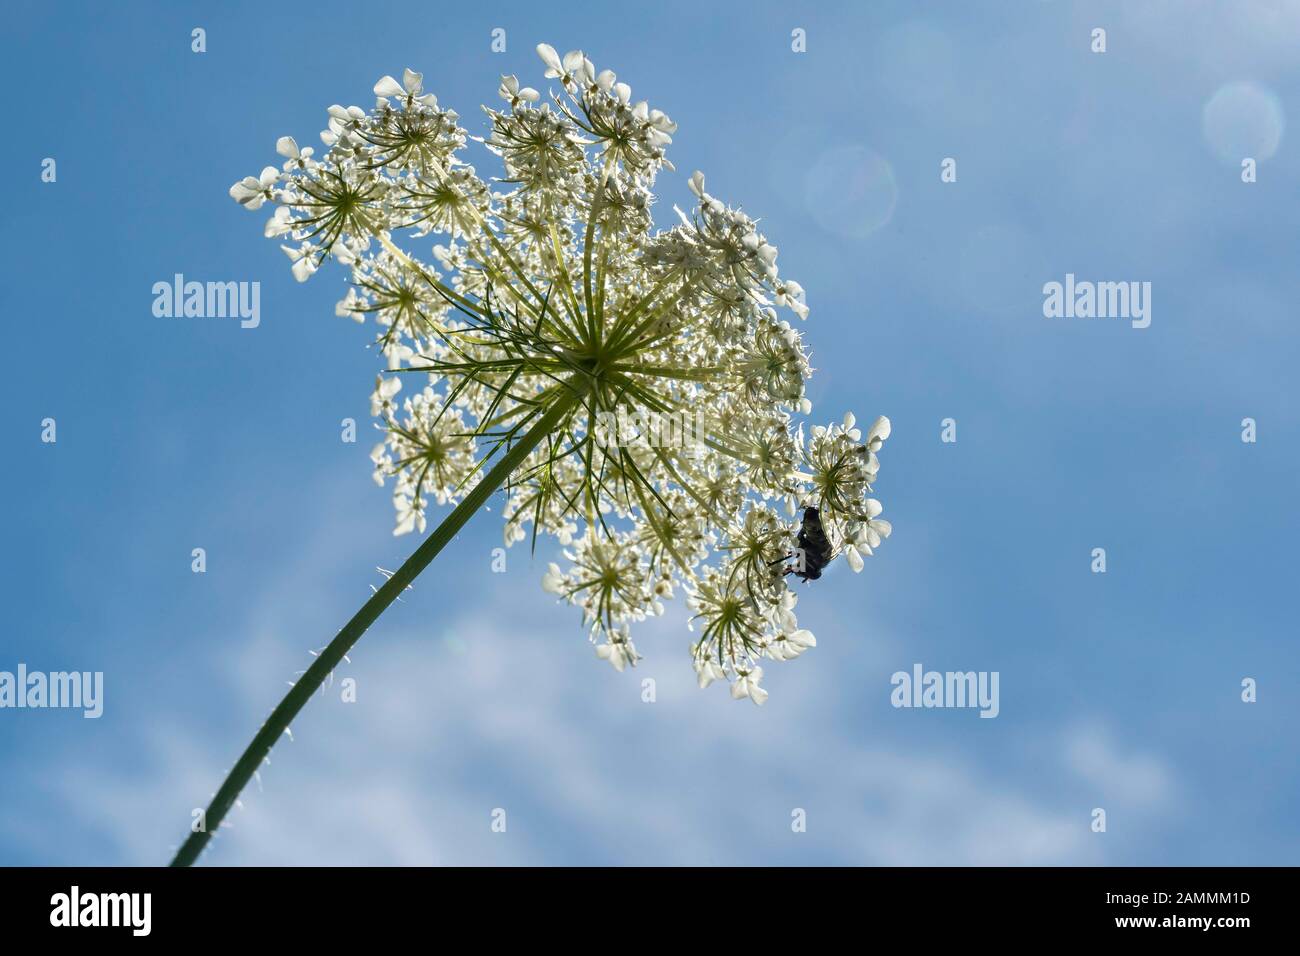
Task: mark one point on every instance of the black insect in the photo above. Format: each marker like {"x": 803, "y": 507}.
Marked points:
{"x": 814, "y": 548}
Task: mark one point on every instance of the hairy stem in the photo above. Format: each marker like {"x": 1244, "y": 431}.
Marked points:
{"x": 328, "y": 659}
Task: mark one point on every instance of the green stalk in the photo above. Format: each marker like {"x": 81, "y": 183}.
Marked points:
{"x": 328, "y": 659}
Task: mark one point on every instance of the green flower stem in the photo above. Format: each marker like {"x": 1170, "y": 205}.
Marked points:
{"x": 328, "y": 659}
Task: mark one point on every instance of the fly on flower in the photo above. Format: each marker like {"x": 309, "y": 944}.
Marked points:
{"x": 814, "y": 549}
{"x": 551, "y": 301}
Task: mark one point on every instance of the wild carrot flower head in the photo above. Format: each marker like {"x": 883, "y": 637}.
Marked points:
{"x": 676, "y": 461}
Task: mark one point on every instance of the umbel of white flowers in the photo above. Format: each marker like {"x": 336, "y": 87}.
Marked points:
{"x": 551, "y": 292}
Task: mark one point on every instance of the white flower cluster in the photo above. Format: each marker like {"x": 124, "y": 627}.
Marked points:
{"x": 552, "y": 298}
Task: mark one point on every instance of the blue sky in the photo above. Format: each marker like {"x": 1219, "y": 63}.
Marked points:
{"x": 1118, "y": 690}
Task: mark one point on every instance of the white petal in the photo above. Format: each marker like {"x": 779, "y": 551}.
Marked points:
{"x": 660, "y": 121}
{"x": 248, "y": 193}
{"x": 302, "y": 269}
{"x": 804, "y": 638}
{"x": 549, "y": 56}
{"x": 387, "y": 86}
{"x": 553, "y": 580}
{"x": 278, "y": 224}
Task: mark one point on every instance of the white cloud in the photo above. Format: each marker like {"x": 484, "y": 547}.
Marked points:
{"x": 507, "y": 707}
{"x": 534, "y": 723}
{"x": 1138, "y": 780}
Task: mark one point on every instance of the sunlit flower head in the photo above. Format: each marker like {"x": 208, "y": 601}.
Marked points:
{"x": 552, "y": 301}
